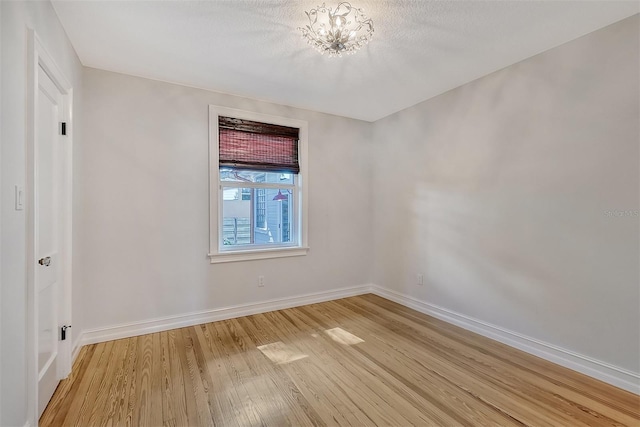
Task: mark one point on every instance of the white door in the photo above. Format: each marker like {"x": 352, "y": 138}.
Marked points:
{"x": 49, "y": 223}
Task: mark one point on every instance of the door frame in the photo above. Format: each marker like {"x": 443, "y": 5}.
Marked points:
{"x": 37, "y": 56}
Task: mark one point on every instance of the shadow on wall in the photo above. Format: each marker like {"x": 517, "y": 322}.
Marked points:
{"x": 502, "y": 193}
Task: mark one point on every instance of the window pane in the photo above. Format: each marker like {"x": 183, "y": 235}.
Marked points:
{"x": 257, "y": 216}
{"x": 240, "y": 175}
{"x": 278, "y": 216}
{"x": 236, "y": 211}
{"x": 231, "y": 194}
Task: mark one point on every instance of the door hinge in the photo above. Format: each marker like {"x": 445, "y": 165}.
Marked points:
{"x": 63, "y": 128}
{"x": 63, "y": 332}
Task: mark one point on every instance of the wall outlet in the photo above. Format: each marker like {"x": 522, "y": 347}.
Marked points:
{"x": 260, "y": 281}
{"x": 420, "y": 278}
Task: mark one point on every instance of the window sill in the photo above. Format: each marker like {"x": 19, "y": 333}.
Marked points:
{"x": 253, "y": 254}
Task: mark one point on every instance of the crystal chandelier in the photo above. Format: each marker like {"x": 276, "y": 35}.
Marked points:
{"x": 342, "y": 30}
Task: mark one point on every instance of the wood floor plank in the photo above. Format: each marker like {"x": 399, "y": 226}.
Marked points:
{"x": 141, "y": 415}
{"x": 156, "y": 381}
{"x": 168, "y": 412}
{"x": 129, "y": 396}
{"x": 358, "y": 361}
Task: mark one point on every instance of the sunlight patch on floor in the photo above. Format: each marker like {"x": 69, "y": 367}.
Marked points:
{"x": 280, "y": 353}
{"x": 341, "y": 336}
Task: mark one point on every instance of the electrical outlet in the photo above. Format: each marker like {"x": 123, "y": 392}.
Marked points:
{"x": 420, "y": 279}
{"x": 260, "y": 281}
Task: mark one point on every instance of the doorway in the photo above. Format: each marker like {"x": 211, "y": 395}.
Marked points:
{"x": 49, "y": 173}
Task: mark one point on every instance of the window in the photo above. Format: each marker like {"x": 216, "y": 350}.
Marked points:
{"x": 258, "y": 187}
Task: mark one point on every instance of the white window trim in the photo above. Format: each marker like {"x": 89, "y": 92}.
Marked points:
{"x": 215, "y": 208}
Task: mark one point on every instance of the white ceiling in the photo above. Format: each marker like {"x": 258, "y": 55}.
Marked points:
{"x": 252, "y": 48}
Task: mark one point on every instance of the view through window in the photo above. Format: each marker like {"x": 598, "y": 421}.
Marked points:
{"x": 256, "y": 207}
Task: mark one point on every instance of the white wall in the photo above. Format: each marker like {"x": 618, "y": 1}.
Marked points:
{"x": 500, "y": 192}
{"x": 16, "y": 17}
{"x": 143, "y": 205}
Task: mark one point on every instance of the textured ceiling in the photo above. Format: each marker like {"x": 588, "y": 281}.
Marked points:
{"x": 253, "y": 48}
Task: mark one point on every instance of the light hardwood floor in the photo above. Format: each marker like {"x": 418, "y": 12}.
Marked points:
{"x": 356, "y": 361}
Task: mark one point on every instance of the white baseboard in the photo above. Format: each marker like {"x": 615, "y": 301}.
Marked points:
{"x": 92, "y": 336}
{"x": 613, "y": 375}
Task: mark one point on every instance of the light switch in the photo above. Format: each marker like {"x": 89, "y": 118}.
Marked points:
{"x": 19, "y": 198}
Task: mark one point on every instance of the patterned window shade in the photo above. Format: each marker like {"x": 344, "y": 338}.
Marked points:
{"x": 245, "y": 144}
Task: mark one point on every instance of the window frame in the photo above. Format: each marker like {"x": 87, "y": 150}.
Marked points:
{"x": 217, "y": 254}
{"x": 260, "y": 192}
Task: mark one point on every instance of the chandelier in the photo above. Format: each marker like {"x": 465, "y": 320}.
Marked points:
{"x": 342, "y": 30}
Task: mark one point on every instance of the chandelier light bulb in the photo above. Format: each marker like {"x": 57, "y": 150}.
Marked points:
{"x": 344, "y": 29}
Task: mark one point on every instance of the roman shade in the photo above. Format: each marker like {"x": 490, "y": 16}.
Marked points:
{"x": 245, "y": 144}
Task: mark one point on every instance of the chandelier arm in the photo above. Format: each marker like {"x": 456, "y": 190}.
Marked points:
{"x": 347, "y": 5}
